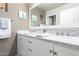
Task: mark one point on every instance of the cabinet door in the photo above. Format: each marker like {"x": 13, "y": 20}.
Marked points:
{"x": 20, "y": 44}
{"x": 44, "y": 48}
{"x": 67, "y": 16}
{"x": 76, "y": 11}
{"x": 63, "y": 51}
{"x": 25, "y": 45}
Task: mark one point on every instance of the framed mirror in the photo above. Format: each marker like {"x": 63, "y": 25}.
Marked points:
{"x": 37, "y": 17}
{"x": 44, "y": 15}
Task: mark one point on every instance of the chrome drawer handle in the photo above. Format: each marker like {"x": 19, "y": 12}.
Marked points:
{"x": 20, "y": 38}
{"x": 55, "y": 53}
{"x": 29, "y": 42}
{"x": 29, "y": 49}
{"x": 51, "y": 51}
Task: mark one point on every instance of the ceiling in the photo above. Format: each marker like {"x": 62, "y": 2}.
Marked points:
{"x": 49, "y": 6}
{"x": 30, "y": 4}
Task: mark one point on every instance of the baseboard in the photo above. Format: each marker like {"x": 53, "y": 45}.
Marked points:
{"x": 4, "y": 53}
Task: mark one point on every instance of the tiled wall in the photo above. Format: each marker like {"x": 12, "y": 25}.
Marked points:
{"x": 66, "y": 32}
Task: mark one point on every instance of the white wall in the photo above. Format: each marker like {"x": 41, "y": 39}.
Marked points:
{"x": 57, "y": 11}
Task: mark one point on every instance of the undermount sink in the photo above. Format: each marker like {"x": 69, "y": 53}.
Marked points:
{"x": 43, "y": 35}
{"x": 39, "y": 36}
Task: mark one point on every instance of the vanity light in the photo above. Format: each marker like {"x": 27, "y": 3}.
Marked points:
{"x": 41, "y": 17}
{"x": 3, "y": 6}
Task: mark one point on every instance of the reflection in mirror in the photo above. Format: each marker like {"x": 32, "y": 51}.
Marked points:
{"x": 52, "y": 20}
{"x": 44, "y": 14}
{"x": 37, "y": 17}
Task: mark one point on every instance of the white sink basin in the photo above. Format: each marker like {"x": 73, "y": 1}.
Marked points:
{"x": 43, "y": 34}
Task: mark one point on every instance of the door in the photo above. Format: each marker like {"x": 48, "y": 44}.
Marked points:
{"x": 20, "y": 49}
{"x": 44, "y": 48}
{"x": 64, "y": 51}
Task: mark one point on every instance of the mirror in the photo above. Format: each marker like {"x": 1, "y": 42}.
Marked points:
{"x": 37, "y": 17}
{"x": 51, "y": 20}
{"x": 41, "y": 16}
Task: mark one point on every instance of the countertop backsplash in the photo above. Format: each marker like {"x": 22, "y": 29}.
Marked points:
{"x": 64, "y": 32}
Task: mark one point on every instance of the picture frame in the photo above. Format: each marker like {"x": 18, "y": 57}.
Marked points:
{"x": 22, "y": 14}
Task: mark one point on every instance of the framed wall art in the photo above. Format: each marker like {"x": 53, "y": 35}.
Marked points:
{"x": 22, "y": 14}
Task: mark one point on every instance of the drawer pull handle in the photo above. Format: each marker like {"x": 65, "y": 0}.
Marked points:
{"x": 55, "y": 53}
{"x": 51, "y": 51}
{"x": 29, "y": 49}
{"x": 20, "y": 38}
{"x": 30, "y": 42}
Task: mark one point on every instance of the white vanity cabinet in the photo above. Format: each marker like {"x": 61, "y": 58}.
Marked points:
{"x": 25, "y": 45}
{"x": 28, "y": 46}
{"x": 64, "y": 51}
{"x": 44, "y": 48}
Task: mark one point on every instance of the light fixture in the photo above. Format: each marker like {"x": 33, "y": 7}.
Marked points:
{"x": 3, "y": 6}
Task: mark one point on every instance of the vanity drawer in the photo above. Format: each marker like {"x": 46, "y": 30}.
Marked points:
{"x": 30, "y": 49}
{"x": 29, "y": 41}
{"x": 19, "y": 53}
{"x": 20, "y": 37}
{"x": 26, "y": 45}
{"x": 25, "y": 40}
{"x": 27, "y": 51}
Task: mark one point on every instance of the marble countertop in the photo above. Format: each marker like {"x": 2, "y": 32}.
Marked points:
{"x": 63, "y": 39}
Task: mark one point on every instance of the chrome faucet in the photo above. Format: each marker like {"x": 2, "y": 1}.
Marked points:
{"x": 44, "y": 30}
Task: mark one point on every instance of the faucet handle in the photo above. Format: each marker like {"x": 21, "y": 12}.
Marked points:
{"x": 57, "y": 33}
{"x": 44, "y": 30}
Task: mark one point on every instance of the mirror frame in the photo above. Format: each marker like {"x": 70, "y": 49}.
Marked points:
{"x": 30, "y": 27}
{"x": 45, "y": 27}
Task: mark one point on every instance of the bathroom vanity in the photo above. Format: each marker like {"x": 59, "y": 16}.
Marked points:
{"x": 50, "y": 45}
{"x": 44, "y": 44}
